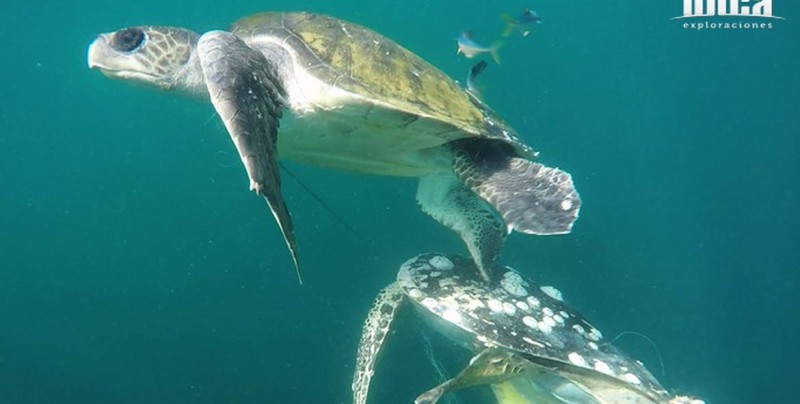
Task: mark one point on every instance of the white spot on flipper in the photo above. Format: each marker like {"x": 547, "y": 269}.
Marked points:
{"x": 522, "y": 306}
{"x": 577, "y": 359}
{"x": 592, "y": 345}
{"x": 532, "y": 301}
{"x": 558, "y": 319}
{"x": 415, "y": 294}
{"x": 509, "y": 308}
{"x": 547, "y": 311}
{"x": 441, "y": 263}
{"x": 549, "y": 321}
{"x": 566, "y": 204}
{"x": 595, "y": 335}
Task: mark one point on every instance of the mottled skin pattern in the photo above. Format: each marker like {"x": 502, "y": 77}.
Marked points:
{"x": 507, "y": 182}
{"x": 472, "y": 218}
{"x": 359, "y": 60}
{"x": 376, "y": 328}
{"x": 173, "y": 48}
{"x": 170, "y": 47}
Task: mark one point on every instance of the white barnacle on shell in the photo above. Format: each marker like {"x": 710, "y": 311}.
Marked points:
{"x": 514, "y": 284}
{"x": 544, "y": 327}
{"x": 441, "y": 263}
{"x": 530, "y": 321}
{"x": 631, "y": 378}
{"x": 494, "y": 305}
{"x": 553, "y": 292}
{"x": 559, "y": 319}
{"x": 603, "y": 367}
{"x": 430, "y": 303}
{"x": 452, "y": 316}
{"x": 577, "y": 359}
{"x": 509, "y": 308}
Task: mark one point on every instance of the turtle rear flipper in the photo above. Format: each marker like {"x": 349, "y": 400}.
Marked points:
{"x": 376, "y": 328}
{"x": 245, "y": 91}
{"x": 455, "y": 206}
{"x": 531, "y": 197}
{"x": 488, "y": 367}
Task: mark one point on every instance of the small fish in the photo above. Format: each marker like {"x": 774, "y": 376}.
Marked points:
{"x": 470, "y": 48}
{"x": 473, "y": 73}
{"x": 523, "y": 23}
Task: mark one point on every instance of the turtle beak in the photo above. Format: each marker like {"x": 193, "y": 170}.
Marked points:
{"x": 98, "y": 51}
{"x": 101, "y": 56}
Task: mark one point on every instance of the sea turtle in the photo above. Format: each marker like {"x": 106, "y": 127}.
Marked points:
{"x": 356, "y": 101}
{"x": 530, "y": 346}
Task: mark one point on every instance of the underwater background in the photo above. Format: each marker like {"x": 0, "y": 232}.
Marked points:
{"x": 136, "y": 267}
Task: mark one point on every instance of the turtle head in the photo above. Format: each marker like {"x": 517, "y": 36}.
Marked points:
{"x": 156, "y": 56}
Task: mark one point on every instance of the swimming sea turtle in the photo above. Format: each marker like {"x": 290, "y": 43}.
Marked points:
{"x": 531, "y": 347}
{"x": 356, "y": 101}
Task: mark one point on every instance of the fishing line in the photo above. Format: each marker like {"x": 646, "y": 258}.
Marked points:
{"x": 320, "y": 201}
{"x": 646, "y": 338}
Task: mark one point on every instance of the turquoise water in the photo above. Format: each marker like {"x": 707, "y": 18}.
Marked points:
{"x": 135, "y": 266}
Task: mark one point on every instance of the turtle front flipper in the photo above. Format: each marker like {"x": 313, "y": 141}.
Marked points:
{"x": 455, "y": 206}
{"x": 531, "y": 197}
{"x": 247, "y": 95}
{"x": 488, "y": 367}
{"x": 376, "y": 328}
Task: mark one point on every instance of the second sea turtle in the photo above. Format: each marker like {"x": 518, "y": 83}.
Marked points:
{"x": 529, "y": 345}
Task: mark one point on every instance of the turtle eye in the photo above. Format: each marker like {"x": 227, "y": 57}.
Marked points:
{"x": 128, "y": 39}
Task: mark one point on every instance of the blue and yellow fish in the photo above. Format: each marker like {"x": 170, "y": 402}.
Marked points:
{"x": 469, "y": 48}
{"x": 523, "y": 23}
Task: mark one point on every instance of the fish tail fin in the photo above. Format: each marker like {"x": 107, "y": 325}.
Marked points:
{"x": 509, "y": 28}
{"x": 493, "y": 51}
